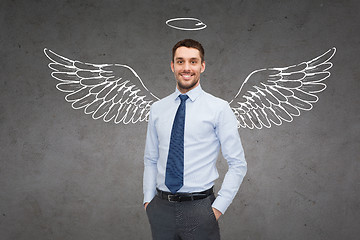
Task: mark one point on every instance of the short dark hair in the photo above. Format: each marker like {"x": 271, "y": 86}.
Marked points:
{"x": 189, "y": 43}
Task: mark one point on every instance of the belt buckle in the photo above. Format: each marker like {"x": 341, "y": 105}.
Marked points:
{"x": 169, "y": 197}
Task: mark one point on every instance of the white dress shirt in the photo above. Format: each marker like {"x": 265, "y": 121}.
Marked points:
{"x": 209, "y": 124}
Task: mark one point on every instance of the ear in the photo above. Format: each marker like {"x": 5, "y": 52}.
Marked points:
{"x": 172, "y": 66}
{"x": 202, "y": 67}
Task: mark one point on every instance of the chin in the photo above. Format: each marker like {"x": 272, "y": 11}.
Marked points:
{"x": 188, "y": 86}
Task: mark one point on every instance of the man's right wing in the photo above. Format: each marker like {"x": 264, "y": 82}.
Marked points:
{"x": 113, "y": 92}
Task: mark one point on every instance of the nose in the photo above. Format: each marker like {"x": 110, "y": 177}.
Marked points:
{"x": 187, "y": 66}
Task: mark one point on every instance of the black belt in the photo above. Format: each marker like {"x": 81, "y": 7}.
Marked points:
{"x": 181, "y": 197}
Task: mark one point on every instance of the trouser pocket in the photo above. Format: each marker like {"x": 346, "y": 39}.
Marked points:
{"x": 211, "y": 199}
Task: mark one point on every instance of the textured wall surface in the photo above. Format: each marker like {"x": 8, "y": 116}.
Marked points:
{"x": 64, "y": 175}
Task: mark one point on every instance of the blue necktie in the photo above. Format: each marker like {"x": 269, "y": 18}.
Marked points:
{"x": 175, "y": 163}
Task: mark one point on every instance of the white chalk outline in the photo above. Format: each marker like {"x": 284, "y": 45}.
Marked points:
{"x": 186, "y": 29}
{"x": 108, "y": 91}
{"x": 273, "y": 95}
{"x": 267, "y": 97}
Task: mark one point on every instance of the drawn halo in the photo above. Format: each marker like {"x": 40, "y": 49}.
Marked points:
{"x": 199, "y": 25}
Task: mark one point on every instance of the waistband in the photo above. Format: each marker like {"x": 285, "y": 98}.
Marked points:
{"x": 182, "y": 197}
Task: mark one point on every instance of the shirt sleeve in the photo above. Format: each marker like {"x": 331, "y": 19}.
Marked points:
{"x": 233, "y": 152}
{"x": 151, "y": 156}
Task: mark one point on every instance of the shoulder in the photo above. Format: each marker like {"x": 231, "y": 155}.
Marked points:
{"x": 221, "y": 109}
{"x": 215, "y": 101}
{"x": 164, "y": 102}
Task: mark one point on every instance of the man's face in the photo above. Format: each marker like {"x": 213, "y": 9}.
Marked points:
{"x": 187, "y": 67}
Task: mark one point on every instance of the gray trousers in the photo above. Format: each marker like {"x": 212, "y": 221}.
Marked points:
{"x": 189, "y": 220}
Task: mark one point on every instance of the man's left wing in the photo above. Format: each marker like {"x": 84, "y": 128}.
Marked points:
{"x": 273, "y": 95}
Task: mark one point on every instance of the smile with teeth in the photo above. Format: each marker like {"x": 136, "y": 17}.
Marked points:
{"x": 186, "y": 75}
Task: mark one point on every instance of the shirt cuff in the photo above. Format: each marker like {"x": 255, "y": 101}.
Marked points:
{"x": 148, "y": 196}
{"x": 221, "y": 204}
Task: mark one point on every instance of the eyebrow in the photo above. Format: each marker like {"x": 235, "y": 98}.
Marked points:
{"x": 181, "y": 58}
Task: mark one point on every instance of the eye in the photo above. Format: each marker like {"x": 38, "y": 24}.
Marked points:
{"x": 179, "y": 62}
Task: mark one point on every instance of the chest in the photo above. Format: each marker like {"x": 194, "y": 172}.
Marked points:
{"x": 200, "y": 123}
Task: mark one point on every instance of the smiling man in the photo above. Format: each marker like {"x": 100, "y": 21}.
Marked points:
{"x": 185, "y": 132}
{"x": 187, "y": 66}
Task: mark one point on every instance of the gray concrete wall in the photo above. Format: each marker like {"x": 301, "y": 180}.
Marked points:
{"x": 64, "y": 175}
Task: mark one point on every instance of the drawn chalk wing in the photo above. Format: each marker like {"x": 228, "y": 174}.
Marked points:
{"x": 108, "y": 91}
{"x": 273, "y": 95}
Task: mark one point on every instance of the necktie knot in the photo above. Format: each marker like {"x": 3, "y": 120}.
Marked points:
{"x": 183, "y": 97}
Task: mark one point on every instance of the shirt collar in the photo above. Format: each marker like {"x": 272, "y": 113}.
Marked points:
{"x": 193, "y": 93}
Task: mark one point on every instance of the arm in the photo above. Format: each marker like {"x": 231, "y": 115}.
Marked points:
{"x": 150, "y": 162}
{"x": 233, "y": 152}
